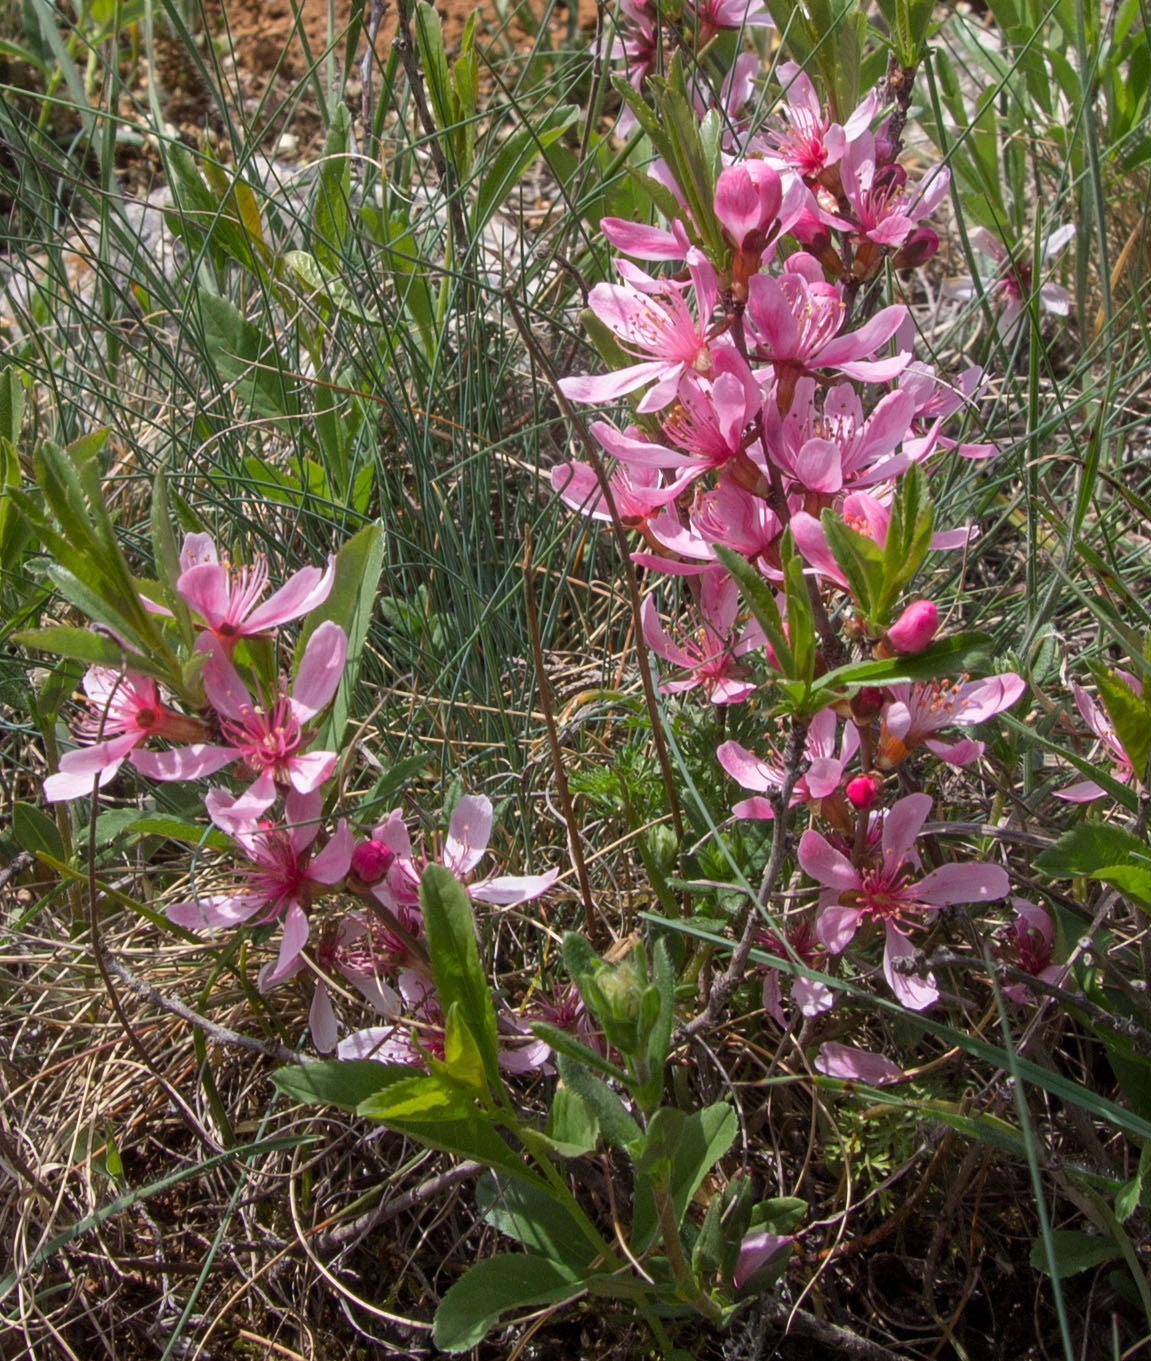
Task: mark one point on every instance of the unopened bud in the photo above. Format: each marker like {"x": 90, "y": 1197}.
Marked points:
{"x": 864, "y": 791}
{"x": 914, "y": 628}
{"x": 919, "y": 247}
{"x": 371, "y": 860}
{"x": 866, "y": 704}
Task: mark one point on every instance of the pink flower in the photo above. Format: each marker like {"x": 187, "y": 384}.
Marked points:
{"x": 886, "y": 212}
{"x": 404, "y": 1041}
{"x": 809, "y": 995}
{"x": 227, "y": 598}
{"x": 824, "y": 769}
{"x": 795, "y": 321}
{"x": 638, "y": 492}
{"x": 469, "y": 831}
{"x": 1026, "y": 945}
{"x": 270, "y": 739}
{"x": 1012, "y": 286}
{"x": 652, "y": 319}
{"x": 280, "y": 880}
{"x": 914, "y": 712}
{"x": 1097, "y": 720}
{"x": 124, "y": 710}
{"x": 709, "y": 655}
{"x": 809, "y": 142}
{"x": 888, "y": 893}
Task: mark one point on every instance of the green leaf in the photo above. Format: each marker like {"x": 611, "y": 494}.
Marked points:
{"x": 494, "y": 1287}
{"x": 661, "y": 1142}
{"x": 1132, "y": 880}
{"x": 761, "y": 600}
{"x": 450, "y": 931}
{"x": 781, "y": 1214}
{"x": 706, "y": 1137}
{"x": 659, "y": 1037}
{"x": 82, "y": 645}
{"x": 334, "y": 1082}
{"x": 616, "y": 1124}
{"x": 11, "y": 405}
{"x": 187, "y": 833}
{"x": 572, "y": 1126}
{"x": 247, "y": 359}
{"x": 1130, "y": 715}
{"x": 1088, "y": 848}
{"x": 427, "y": 1100}
{"x": 462, "y": 1063}
{"x": 515, "y": 155}
{"x": 800, "y": 620}
{"x": 33, "y": 830}
{"x": 534, "y": 1219}
{"x": 333, "y": 191}
{"x": 349, "y": 604}
{"x": 1073, "y": 1252}
{"x": 858, "y": 557}
{"x": 565, "y": 1043}
{"x": 957, "y": 652}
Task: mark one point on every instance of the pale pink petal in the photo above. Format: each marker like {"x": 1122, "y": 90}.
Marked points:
{"x": 205, "y": 589}
{"x": 184, "y": 763}
{"x": 468, "y": 833}
{"x": 746, "y": 769}
{"x": 901, "y": 826}
{"x": 857, "y": 1065}
{"x": 205, "y": 913}
{"x": 226, "y": 692}
{"x": 320, "y": 669}
{"x": 823, "y": 863}
{"x": 823, "y": 777}
{"x": 80, "y": 768}
{"x": 1082, "y": 792}
{"x": 504, "y": 890}
{"x": 754, "y": 808}
{"x": 308, "y": 772}
{"x": 294, "y": 938}
{"x": 197, "y": 548}
{"x": 302, "y": 592}
{"x": 914, "y": 992}
{"x": 969, "y": 883}
{"x": 331, "y": 864}
{"x": 835, "y": 927}
{"x": 322, "y": 1020}
{"x": 812, "y": 997}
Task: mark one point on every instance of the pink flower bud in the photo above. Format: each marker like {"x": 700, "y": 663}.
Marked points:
{"x": 914, "y": 628}
{"x": 747, "y": 199}
{"x": 371, "y": 861}
{"x": 919, "y": 247}
{"x": 864, "y": 791}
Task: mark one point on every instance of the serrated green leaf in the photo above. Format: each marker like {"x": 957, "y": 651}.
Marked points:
{"x": 1088, "y": 848}
{"x": 571, "y": 1126}
{"x": 760, "y": 599}
{"x": 425, "y": 1100}
{"x": 858, "y": 557}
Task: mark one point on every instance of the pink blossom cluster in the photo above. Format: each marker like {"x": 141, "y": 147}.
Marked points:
{"x": 285, "y": 862}
{"x": 768, "y": 390}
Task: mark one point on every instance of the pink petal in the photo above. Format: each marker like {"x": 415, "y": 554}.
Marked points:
{"x": 294, "y": 939}
{"x": 468, "y": 833}
{"x": 754, "y": 808}
{"x": 302, "y": 592}
{"x": 857, "y": 1065}
{"x": 823, "y": 863}
{"x": 506, "y": 889}
{"x": 226, "y": 692}
{"x": 914, "y": 992}
{"x": 320, "y": 669}
{"x": 80, "y": 768}
{"x": 744, "y": 768}
{"x": 812, "y": 997}
{"x": 963, "y": 884}
{"x": 835, "y": 927}
{"x": 331, "y": 864}
{"x": 308, "y": 772}
{"x": 185, "y": 763}
{"x": 322, "y": 1020}
{"x": 205, "y": 913}
{"x": 204, "y": 588}
{"x": 901, "y": 826}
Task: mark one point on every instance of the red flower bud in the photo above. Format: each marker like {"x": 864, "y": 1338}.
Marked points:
{"x": 864, "y": 791}
{"x": 371, "y": 861}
